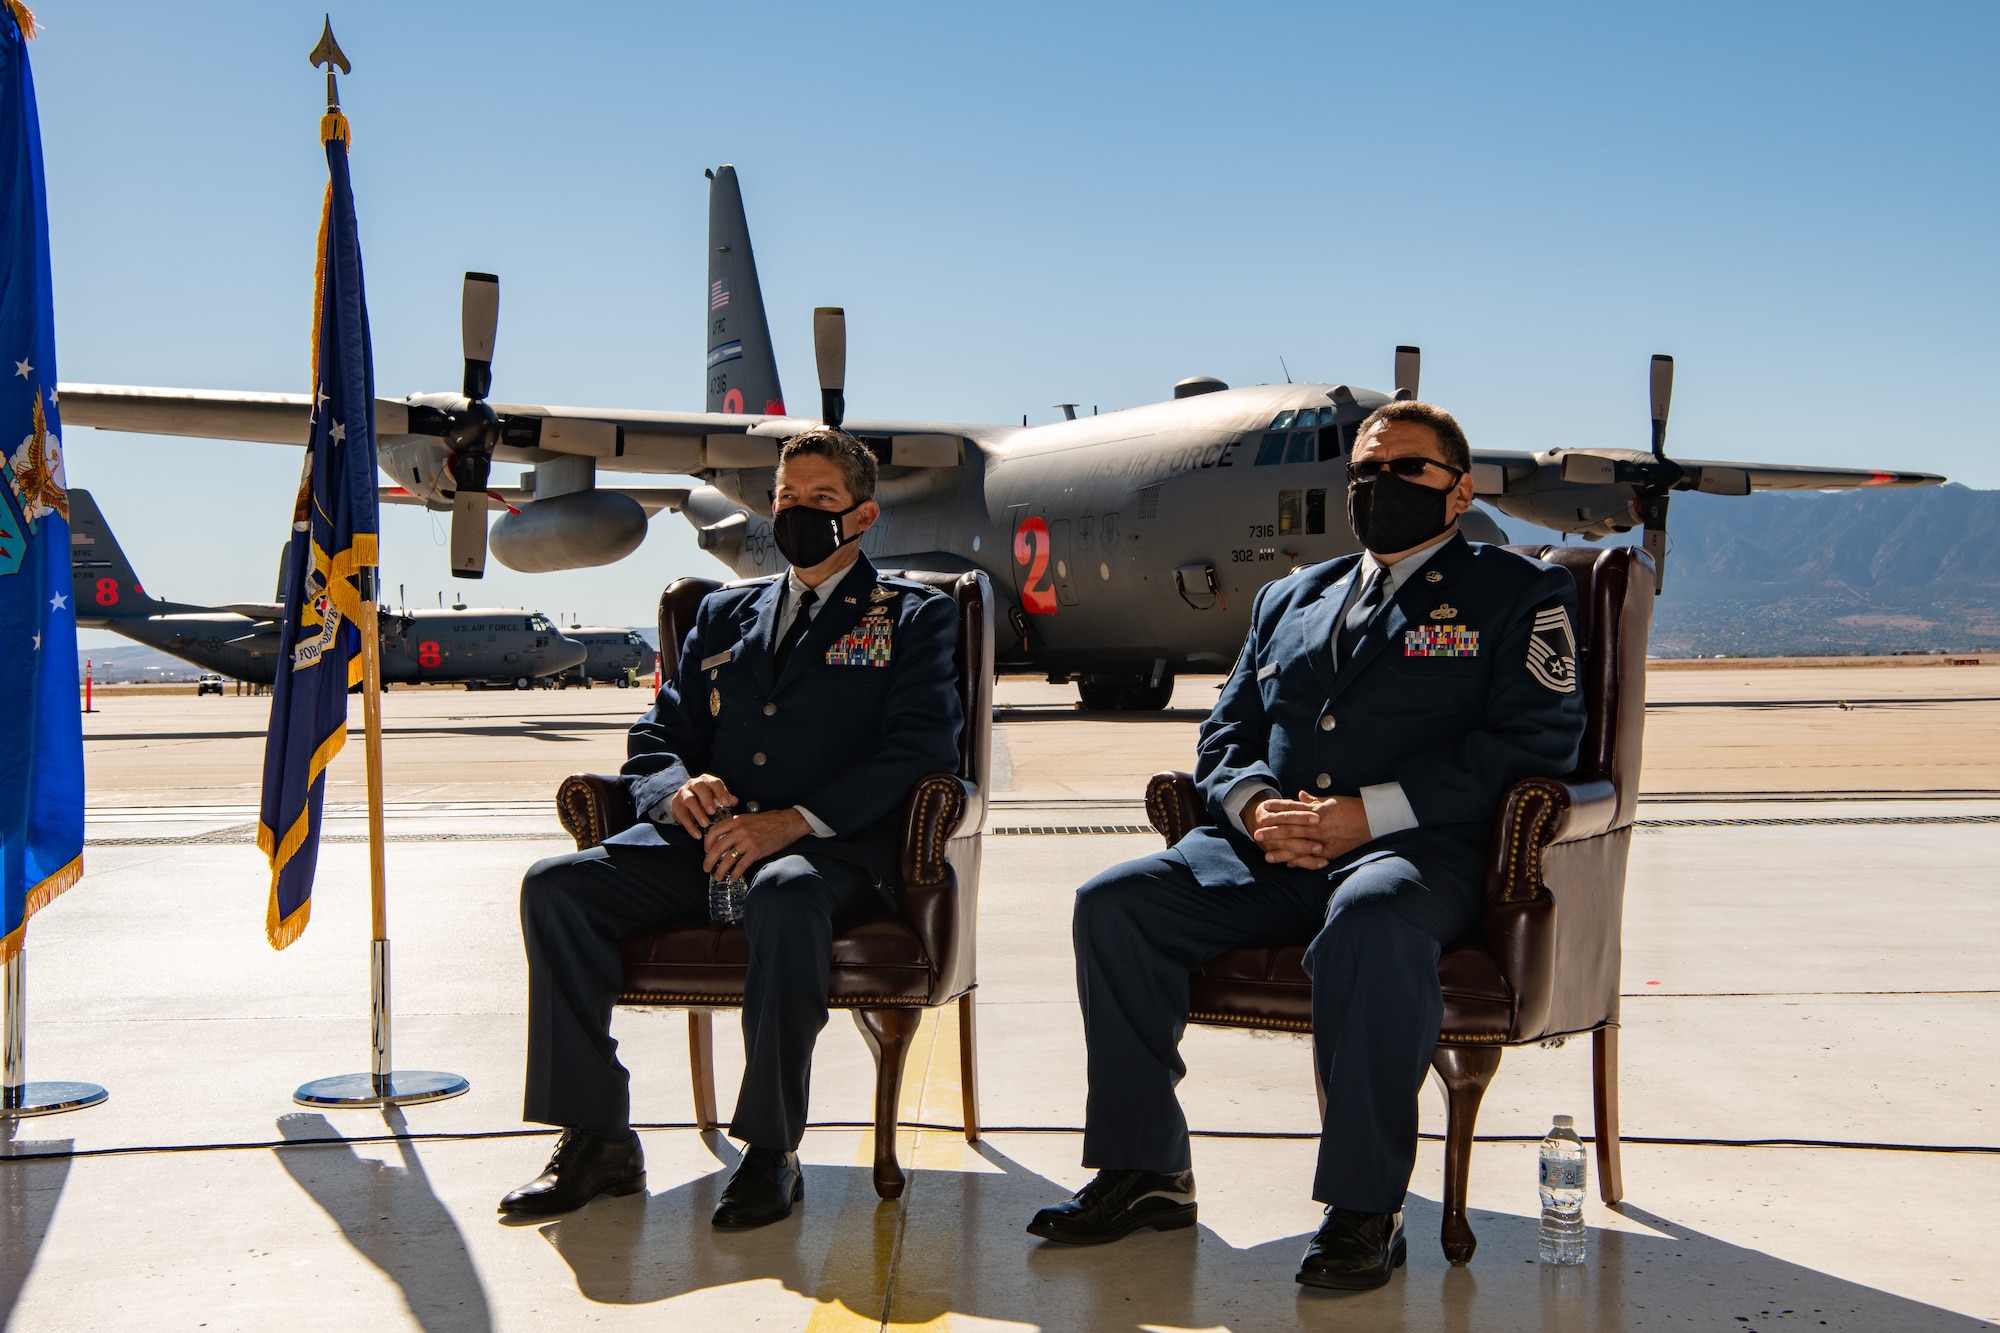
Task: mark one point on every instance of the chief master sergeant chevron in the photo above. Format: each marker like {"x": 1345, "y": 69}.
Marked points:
{"x": 1398, "y": 693}
{"x": 808, "y": 705}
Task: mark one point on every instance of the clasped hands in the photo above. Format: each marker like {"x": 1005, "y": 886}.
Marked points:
{"x": 703, "y": 807}
{"x": 1310, "y": 832}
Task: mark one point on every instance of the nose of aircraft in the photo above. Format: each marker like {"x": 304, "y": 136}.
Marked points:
{"x": 563, "y": 653}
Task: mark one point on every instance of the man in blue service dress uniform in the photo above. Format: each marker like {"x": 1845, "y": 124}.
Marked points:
{"x": 803, "y": 710}
{"x": 1395, "y": 694}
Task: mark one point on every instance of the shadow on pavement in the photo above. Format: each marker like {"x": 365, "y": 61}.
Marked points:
{"x": 29, "y": 1192}
{"x": 955, "y": 1243}
{"x": 393, "y": 1217}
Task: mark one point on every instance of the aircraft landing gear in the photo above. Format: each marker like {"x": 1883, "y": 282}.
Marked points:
{"x": 1125, "y": 694}
{"x": 523, "y": 683}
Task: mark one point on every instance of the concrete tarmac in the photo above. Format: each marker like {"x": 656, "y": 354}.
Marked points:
{"x": 1809, "y": 961}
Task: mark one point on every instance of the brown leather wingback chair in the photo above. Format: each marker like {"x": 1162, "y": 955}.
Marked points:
{"x": 1544, "y": 964}
{"x": 887, "y": 967}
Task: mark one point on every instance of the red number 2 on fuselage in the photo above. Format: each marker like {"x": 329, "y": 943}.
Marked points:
{"x": 1031, "y": 548}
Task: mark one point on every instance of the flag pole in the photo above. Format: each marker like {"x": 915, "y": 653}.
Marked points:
{"x": 383, "y": 1084}
{"x": 380, "y": 1064}
{"x": 44, "y": 739}
{"x": 18, "y": 1097}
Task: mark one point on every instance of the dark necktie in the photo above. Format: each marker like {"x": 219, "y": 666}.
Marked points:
{"x": 1359, "y": 616}
{"x": 800, "y": 624}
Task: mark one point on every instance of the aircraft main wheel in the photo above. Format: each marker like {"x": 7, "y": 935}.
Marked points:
{"x": 1128, "y": 694}
{"x": 522, "y": 683}
{"x": 1139, "y": 696}
{"x": 1098, "y": 693}
{"x": 623, "y": 683}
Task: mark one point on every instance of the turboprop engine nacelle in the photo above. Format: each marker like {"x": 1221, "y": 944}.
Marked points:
{"x": 569, "y": 532}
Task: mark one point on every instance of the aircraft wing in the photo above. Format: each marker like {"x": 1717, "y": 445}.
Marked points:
{"x": 651, "y": 498}
{"x": 1790, "y": 477}
{"x": 215, "y": 414}
{"x": 1496, "y": 473}
{"x": 620, "y": 439}
{"x": 283, "y": 418}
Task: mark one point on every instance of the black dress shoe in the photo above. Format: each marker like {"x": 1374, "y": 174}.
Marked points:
{"x": 1354, "y": 1251}
{"x": 582, "y": 1167}
{"x": 1118, "y": 1203}
{"x": 766, "y": 1185}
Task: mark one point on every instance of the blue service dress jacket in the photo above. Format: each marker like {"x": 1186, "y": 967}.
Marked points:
{"x": 867, "y": 705}
{"x": 1465, "y": 683}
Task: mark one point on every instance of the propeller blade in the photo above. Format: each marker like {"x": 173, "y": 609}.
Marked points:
{"x": 1409, "y": 361}
{"x": 1653, "y": 510}
{"x": 1663, "y": 398}
{"x": 468, "y": 535}
{"x": 479, "y": 320}
{"x": 830, "y": 349}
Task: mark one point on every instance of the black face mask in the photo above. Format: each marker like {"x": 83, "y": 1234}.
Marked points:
{"x": 808, "y": 536}
{"x": 1390, "y": 514}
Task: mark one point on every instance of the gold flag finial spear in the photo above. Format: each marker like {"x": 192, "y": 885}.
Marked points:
{"x": 329, "y": 54}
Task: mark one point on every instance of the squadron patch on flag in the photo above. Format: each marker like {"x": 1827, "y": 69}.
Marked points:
{"x": 1552, "y": 651}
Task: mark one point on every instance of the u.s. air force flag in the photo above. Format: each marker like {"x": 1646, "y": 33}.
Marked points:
{"x": 333, "y": 542}
{"x": 41, "y": 726}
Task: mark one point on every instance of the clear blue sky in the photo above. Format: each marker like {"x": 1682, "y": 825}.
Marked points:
{"x": 1024, "y": 204}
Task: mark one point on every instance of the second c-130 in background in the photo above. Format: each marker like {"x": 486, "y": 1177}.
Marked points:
{"x": 1126, "y": 546}
{"x": 475, "y": 647}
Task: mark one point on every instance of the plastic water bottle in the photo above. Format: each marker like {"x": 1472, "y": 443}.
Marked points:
{"x": 726, "y": 894}
{"x": 1563, "y": 1236}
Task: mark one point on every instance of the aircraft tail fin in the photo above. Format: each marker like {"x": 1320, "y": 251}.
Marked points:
{"x": 103, "y": 584}
{"x": 742, "y": 367}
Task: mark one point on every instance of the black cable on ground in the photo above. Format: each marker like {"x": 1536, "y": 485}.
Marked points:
{"x": 466, "y": 1136}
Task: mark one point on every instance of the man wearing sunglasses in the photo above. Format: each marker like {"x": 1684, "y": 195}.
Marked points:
{"x": 1351, "y": 770}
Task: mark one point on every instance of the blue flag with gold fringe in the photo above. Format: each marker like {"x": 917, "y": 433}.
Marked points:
{"x": 333, "y": 549}
{"x": 41, "y": 723}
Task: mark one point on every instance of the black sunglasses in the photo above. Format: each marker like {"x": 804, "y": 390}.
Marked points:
{"x": 1409, "y": 469}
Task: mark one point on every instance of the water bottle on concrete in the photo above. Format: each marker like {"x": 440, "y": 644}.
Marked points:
{"x": 1563, "y": 1237}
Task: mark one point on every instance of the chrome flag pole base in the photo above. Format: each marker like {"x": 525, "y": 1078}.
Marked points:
{"x": 381, "y": 1086}
{"x": 19, "y": 1098}
{"x": 28, "y": 1099}
{"x": 402, "y": 1087}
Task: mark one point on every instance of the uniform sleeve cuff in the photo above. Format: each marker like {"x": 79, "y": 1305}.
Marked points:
{"x": 1387, "y": 808}
{"x": 1241, "y": 795}
{"x": 820, "y": 830}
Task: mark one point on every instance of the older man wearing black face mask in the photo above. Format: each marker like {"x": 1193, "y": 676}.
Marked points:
{"x": 803, "y": 710}
{"x": 1395, "y": 694}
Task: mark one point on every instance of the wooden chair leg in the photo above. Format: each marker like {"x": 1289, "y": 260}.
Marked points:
{"x": 1466, "y": 1070}
{"x": 701, "y": 1065}
{"x": 968, "y": 1065}
{"x": 888, "y": 1032}
{"x": 1604, "y": 1105}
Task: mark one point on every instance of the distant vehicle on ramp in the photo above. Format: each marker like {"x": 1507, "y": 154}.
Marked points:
{"x": 470, "y": 646}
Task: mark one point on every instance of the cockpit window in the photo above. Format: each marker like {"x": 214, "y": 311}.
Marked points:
{"x": 635, "y": 640}
{"x": 539, "y": 624}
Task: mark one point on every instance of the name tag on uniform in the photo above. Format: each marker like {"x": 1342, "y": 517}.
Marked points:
{"x": 1267, "y": 671}
{"x": 867, "y": 644}
{"x": 714, "y": 660}
{"x": 1441, "y": 641}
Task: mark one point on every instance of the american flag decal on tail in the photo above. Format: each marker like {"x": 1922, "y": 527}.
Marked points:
{"x": 718, "y": 294}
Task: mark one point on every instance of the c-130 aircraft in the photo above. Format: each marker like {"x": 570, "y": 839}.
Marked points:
{"x": 1127, "y": 546}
